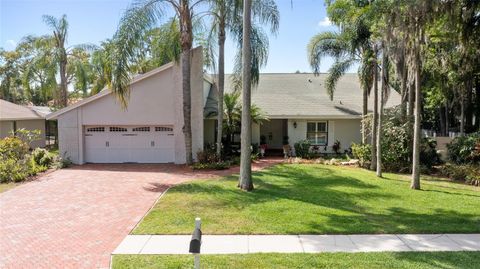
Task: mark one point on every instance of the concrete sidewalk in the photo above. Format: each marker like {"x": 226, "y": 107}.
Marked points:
{"x": 241, "y": 244}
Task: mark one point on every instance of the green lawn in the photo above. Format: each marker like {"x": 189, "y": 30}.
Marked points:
{"x": 383, "y": 260}
{"x": 316, "y": 199}
{"x": 7, "y": 186}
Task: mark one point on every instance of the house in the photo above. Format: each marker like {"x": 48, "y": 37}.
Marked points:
{"x": 149, "y": 130}
{"x": 14, "y": 117}
{"x": 299, "y": 107}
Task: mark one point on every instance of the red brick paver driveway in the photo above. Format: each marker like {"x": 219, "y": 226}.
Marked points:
{"x": 74, "y": 218}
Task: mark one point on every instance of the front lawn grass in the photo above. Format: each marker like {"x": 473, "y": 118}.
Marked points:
{"x": 381, "y": 260}
{"x": 316, "y": 199}
{"x": 7, "y": 186}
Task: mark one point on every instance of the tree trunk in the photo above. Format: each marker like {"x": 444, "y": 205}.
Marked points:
{"x": 411, "y": 101}
{"x": 462, "y": 112}
{"x": 469, "y": 106}
{"x": 404, "y": 90}
{"x": 245, "y": 182}
{"x": 186, "y": 43}
{"x": 373, "y": 164}
{"x": 477, "y": 104}
{"x": 380, "y": 116}
{"x": 441, "y": 117}
{"x": 221, "y": 81}
{"x": 447, "y": 119}
{"x": 415, "y": 184}
{"x": 364, "y": 114}
{"x": 63, "y": 82}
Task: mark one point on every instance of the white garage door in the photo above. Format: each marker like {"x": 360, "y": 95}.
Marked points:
{"x": 129, "y": 144}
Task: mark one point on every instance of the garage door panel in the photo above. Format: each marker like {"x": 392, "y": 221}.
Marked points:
{"x": 121, "y": 144}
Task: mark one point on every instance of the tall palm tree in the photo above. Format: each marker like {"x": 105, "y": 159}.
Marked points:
{"x": 60, "y": 30}
{"x": 227, "y": 18}
{"x": 352, "y": 45}
{"x": 139, "y": 18}
{"x": 245, "y": 179}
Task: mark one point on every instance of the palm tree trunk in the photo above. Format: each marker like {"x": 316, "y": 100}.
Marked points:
{"x": 186, "y": 43}
{"x": 245, "y": 181}
{"x": 373, "y": 164}
{"x": 364, "y": 115}
{"x": 221, "y": 82}
{"x": 415, "y": 184}
{"x": 382, "y": 97}
{"x": 63, "y": 82}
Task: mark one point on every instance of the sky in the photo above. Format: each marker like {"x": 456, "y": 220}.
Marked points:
{"x": 91, "y": 21}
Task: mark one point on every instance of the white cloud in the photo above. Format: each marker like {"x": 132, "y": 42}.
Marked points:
{"x": 325, "y": 22}
{"x": 10, "y": 44}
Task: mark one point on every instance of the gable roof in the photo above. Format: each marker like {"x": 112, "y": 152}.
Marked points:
{"x": 11, "y": 111}
{"x": 304, "y": 96}
{"x": 106, "y": 91}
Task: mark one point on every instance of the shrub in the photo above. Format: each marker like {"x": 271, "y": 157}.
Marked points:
{"x": 362, "y": 152}
{"x": 13, "y": 148}
{"x": 463, "y": 149}
{"x": 463, "y": 172}
{"x": 208, "y": 155}
{"x": 12, "y": 170}
{"x": 428, "y": 153}
{"x": 336, "y": 146}
{"x": 214, "y": 166}
{"x": 43, "y": 157}
{"x": 302, "y": 148}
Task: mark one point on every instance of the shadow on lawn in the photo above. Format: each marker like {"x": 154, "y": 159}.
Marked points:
{"x": 332, "y": 191}
{"x": 446, "y": 259}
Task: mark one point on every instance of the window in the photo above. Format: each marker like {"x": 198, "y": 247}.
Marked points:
{"x": 141, "y": 129}
{"x": 163, "y": 129}
{"x": 317, "y": 133}
{"x": 95, "y": 129}
{"x": 118, "y": 129}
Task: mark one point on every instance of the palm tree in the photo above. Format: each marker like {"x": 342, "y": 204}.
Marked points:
{"x": 245, "y": 179}
{"x": 60, "y": 28}
{"x": 226, "y": 18}
{"x": 233, "y": 114}
{"x": 352, "y": 45}
{"x": 139, "y": 18}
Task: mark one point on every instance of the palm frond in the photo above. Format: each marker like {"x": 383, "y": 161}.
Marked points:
{"x": 323, "y": 45}
{"x": 137, "y": 20}
{"x": 336, "y": 71}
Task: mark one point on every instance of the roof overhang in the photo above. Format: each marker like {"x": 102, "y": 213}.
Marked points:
{"x": 328, "y": 117}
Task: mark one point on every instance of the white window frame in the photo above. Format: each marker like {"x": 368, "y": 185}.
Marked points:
{"x": 318, "y": 133}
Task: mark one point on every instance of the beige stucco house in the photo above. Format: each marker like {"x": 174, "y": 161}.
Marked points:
{"x": 298, "y": 107}
{"x": 149, "y": 129}
{"x": 14, "y": 117}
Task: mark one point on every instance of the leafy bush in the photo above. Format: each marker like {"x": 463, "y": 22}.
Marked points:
{"x": 362, "y": 152}
{"x": 428, "y": 153}
{"x": 336, "y": 146}
{"x": 43, "y": 157}
{"x": 214, "y": 166}
{"x": 208, "y": 155}
{"x": 13, "y": 148}
{"x": 302, "y": 148}
{"x": 12, "y": 170}
{"x": 463, "y": 150}
{"x": 462, "y": 172}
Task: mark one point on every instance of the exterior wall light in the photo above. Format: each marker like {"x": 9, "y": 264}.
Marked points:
{"x": 295, "y": 124}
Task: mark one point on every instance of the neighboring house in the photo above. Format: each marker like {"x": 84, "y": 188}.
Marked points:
{"x": 149, "y": 130}
{"x": 298, "y": 107}
{"x": 14, "y": 117}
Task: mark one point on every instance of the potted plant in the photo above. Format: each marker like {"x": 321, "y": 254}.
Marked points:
{"x": 263, "y": 145}
{"x": 336, "y": 146}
